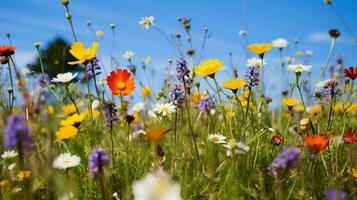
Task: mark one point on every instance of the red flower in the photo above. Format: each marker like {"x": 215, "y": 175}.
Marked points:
{"x": 351, "y": 72}
{"x": 121, "y": 82}
{"x": 351, "y": 136}
{"x": 318, "y": 142}
{"x": 276, "y": 139}
{"x": 7, "y": 50}
{"x": 190, "y": 52}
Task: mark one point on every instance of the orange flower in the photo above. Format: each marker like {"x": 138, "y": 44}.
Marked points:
{"x": 7, "y": 50}
{"x": 155, "y": 134}
{"x": 121, "y": 82}
{"x": 318, "y": 142}
{"x": 351, "y": 136}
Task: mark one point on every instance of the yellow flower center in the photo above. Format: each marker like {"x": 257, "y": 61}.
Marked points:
{"x": 121, "y": 85}
{"x": 66, "y": 161}
{"x": 215, "y": 139}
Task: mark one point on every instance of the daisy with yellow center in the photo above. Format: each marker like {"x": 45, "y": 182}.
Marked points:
{"x": 234, "y": 84}
{"x": 65, "y": 161}
{"x": 260, "y": 49}
{"x": 290, "y": 102}
{"x": 83, "y": 54}
{"x": 217, "y": 138}
{"x": 209, "y": 68}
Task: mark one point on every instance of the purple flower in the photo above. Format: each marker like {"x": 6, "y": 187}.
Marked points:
{"x": 94, "y": 68}
{"x": 183, "y": 74}
{"x": 97, "y": 160}
{"x": 332, "y": 89}
{"x": 252, "y": 76}
{"x": 110, "y": 114}
{"x": 177, "y": 94}
{"x": 206, "y": 103}
{"x": 334, "y": 194}
{"x": 289, "y": 157}
{"x": 17, "y": 134}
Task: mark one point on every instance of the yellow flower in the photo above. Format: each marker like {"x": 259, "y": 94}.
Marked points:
{"x": 69, "y": 109}
{"x": 299, "y": 108}
{"x": 136, "y": 118}
{"x": 208, "y": 67}
{"x": 348, "y": 107}
{"x": 155, "y": 134}
{"x": 4, "y": 183}
{"x": 83, "y": 54}
{"x": 148, "y": 60}
{"x": 314, "y": 110}
{"x": 50, "y": 109}
{"x": 73, "y": 120}
{"x": 290, "y": 102}
{"x": 85, "y": 113}
{"x": 234, "y": 84}
{"x": 261, "y": 48}
{"x": 299, "y": 53}
{"x": 244, "y": 98}
{"x": 43, "y": 130}
{"x": 99, "y": 33}
{"x": 23, "y": 174}
{"x": 66, "y": 132}
{"x": 146, "y": 91}
{"x": 354, "y": 172}
{"x": 196, "y": 97}
{"x": 230, "y": 114}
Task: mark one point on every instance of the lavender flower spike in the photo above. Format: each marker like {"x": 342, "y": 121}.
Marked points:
{"x": 183, "y": 73}
{"x": 289, "y": 157}
{"x": 252, "y": 76}
{"x": 177, "y": 94}
{"x": 97, "y": 160}
{"x": 334, "y": 194}
{"x": 110, "y": 114}
{"x": 17, "y": 134}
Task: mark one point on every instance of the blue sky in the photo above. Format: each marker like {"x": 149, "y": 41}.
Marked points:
{"x": 30, "y": 21}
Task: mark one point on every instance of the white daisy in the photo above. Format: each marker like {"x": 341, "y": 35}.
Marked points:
{"x": 66, "y": 160}
{"x": 95, "y": 104}
{"x": 146, "y": 22}
{"x": 11, "y": 166}
{"x": 217, "y": 138}
{"x": 322, "y": 83}
{"x": 254, "y": 62}
{"x": 164, "y": 109}
{"x": 280, "y": 43}
{"x": 234, "y": 147}
{"x": 64, "y": 78}
{"x": 9, "y": 154}
{"x": 156, "y": 186}
{"x": 128, "y": 55}
{"x": 299, "y": 68}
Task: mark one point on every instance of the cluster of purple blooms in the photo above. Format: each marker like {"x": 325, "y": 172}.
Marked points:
{"x": 110, "y": 114}
{"x": 206, "y": 103}
{"x": 177, "y": 94}
{"x": 97, "y": 160}
{"x": 334, "y": 194}
{"x": 288, "y": 157}
{"x": 252, "y": 76}
{"x": 94, "y": 68}
{"x": 331, "y": 90}
{"x": 17, "y": 134}
{"x": 183, "y": 74}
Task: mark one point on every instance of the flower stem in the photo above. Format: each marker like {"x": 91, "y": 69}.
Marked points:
{"x": 323, "y": 68}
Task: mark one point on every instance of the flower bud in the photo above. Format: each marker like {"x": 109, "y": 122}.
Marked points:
{"x": 65, "y": 2}
{"x": 37, "y": 44}
{"x": 334, "y": 33}
{"x": 328, "y": 2}
{"x": 68, "y": 15}
{"x": 10, "y": 89}
{"x": 112, "y": 26}
{"x": 89, "y": 23}
{"x": 304, "y": 124}
{"x": 4, "y": 60}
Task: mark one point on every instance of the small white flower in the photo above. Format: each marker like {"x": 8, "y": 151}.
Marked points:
{"x": 322, "y": 83}
{"x": 66, "y": 160}
{"x": 64, "y": 78}
{"x": 242, "y": 32}
{"x": 212, "y": 112}
{"x": 9, "y": 154}
{"x": 25, "y": 71}
{"x": 95, "y": 104}
{"x": 146, "y": 22}
{"x": 128, "y": 55}
{"x": 280, "y": 43}
{"x": 299, "y": 68}
{"x": 157, "y": 186}
{"x": 116, "y": 196}
{"x": 217, "y": 138}
{"x": 309, "y": 52}
{"x": 165, "y": 109}
{"x": 136, "y": 134}
{"x": 11, "y": 166}
{"x": 254, "y": 62}
{"x": 138, "y": 107}
{"x": 236, "y": 148}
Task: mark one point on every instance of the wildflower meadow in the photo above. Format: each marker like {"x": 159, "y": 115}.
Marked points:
{"x": 77, "y": 123}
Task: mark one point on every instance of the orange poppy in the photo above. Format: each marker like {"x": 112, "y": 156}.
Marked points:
{"x": 351, "y": 136}
{"x": 121, "y": 82}
{"x": 318, "y": 142}
{"x": 155, "y": 134}
{"x": 7, "y": 50}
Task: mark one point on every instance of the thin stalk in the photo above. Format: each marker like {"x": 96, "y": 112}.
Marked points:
{"x": 11, "y": 100}
{"x": 323, "y": 68}
{"x": 89, "y": 93}
{"x": 71, "y": 23}
{"x": 71, "y": 98}
{"x": 299, "y": 89}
